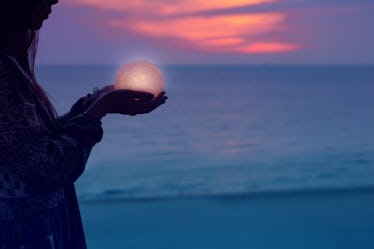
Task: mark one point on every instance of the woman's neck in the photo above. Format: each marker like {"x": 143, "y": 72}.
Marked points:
{"x": 15, "y": 42}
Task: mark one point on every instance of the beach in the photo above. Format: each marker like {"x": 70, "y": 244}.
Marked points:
{"x": 293, "y": 220}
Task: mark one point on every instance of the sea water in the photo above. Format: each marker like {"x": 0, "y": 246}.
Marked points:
{"x": 230, "y": 130}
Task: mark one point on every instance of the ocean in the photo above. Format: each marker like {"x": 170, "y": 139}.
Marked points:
{"x": 230, "y": 130}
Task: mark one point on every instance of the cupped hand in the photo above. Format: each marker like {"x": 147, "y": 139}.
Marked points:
{"x": 126, "y": 102}
{"x": 130, "y": 102}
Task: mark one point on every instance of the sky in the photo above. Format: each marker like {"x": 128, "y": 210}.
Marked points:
{"x": 209, "y": 32}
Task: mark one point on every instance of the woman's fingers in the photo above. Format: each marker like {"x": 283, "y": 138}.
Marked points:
{"x": 160, "y": 95}
{"x": 106, "y": 89}
{"x": 130, "y": 94}
{"x": 149, "y": 106}
{"x": 141, "y": 95}
{"x": 160, "y": 99}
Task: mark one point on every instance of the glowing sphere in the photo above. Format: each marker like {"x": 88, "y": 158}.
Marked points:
{"x": 140, "y": 76}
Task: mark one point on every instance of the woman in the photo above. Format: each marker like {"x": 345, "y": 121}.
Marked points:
{"x": 42, "y": 154}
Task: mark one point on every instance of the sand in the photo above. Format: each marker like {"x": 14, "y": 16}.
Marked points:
{"x": 319, "y": 219}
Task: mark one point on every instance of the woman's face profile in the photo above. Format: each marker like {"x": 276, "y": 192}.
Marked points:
{"x": 41, "y": 12}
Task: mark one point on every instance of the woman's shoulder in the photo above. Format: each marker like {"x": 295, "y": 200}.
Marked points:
{"x": 6, "y": 60}
{"x": 5, "y": 63}
{"x": 10, "y": 92}
{"x": 7, "y": 73}
{"x": 11, "y": 75}
{"x": 8, "y": 68}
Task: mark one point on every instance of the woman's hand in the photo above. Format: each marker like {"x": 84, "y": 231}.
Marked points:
{"x": 126, "y": 102}
{"x": 85, "y": 102}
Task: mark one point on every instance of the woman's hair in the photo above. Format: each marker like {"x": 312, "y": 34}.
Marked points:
{"x": 31, "y": 54}
{"x": 17, "y": 15}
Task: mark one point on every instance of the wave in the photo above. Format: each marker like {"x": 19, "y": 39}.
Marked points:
{"x": 124, "y": 196}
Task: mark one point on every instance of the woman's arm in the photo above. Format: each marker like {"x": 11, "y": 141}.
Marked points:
{"x": 45, "y": 159}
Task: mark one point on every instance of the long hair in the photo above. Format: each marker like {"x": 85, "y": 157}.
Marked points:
{"x": 30, "y": 68}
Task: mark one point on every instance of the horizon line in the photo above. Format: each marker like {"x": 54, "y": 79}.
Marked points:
{"x": 216, "y": 65}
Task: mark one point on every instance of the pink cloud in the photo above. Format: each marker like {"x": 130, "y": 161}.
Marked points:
{"x": 166, "y": 6}
{"x": 176, "y": 20}
{"x": 270, "y": 47}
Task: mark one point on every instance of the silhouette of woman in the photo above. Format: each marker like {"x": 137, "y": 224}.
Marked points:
{"x": 42, "y": 154}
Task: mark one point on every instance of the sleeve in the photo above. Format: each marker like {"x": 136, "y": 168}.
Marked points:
{"x": 77, "y": 108}
{"x": 45, "y": 159}
{"x": 74, "y": 111}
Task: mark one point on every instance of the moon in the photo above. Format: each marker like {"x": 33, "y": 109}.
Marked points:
{"x": 140, "y": 76}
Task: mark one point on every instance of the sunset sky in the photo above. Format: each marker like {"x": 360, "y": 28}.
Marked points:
{"x": 209, "y": 32}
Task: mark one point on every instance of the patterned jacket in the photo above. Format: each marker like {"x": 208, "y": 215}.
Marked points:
{"x": 40, "y": 158}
